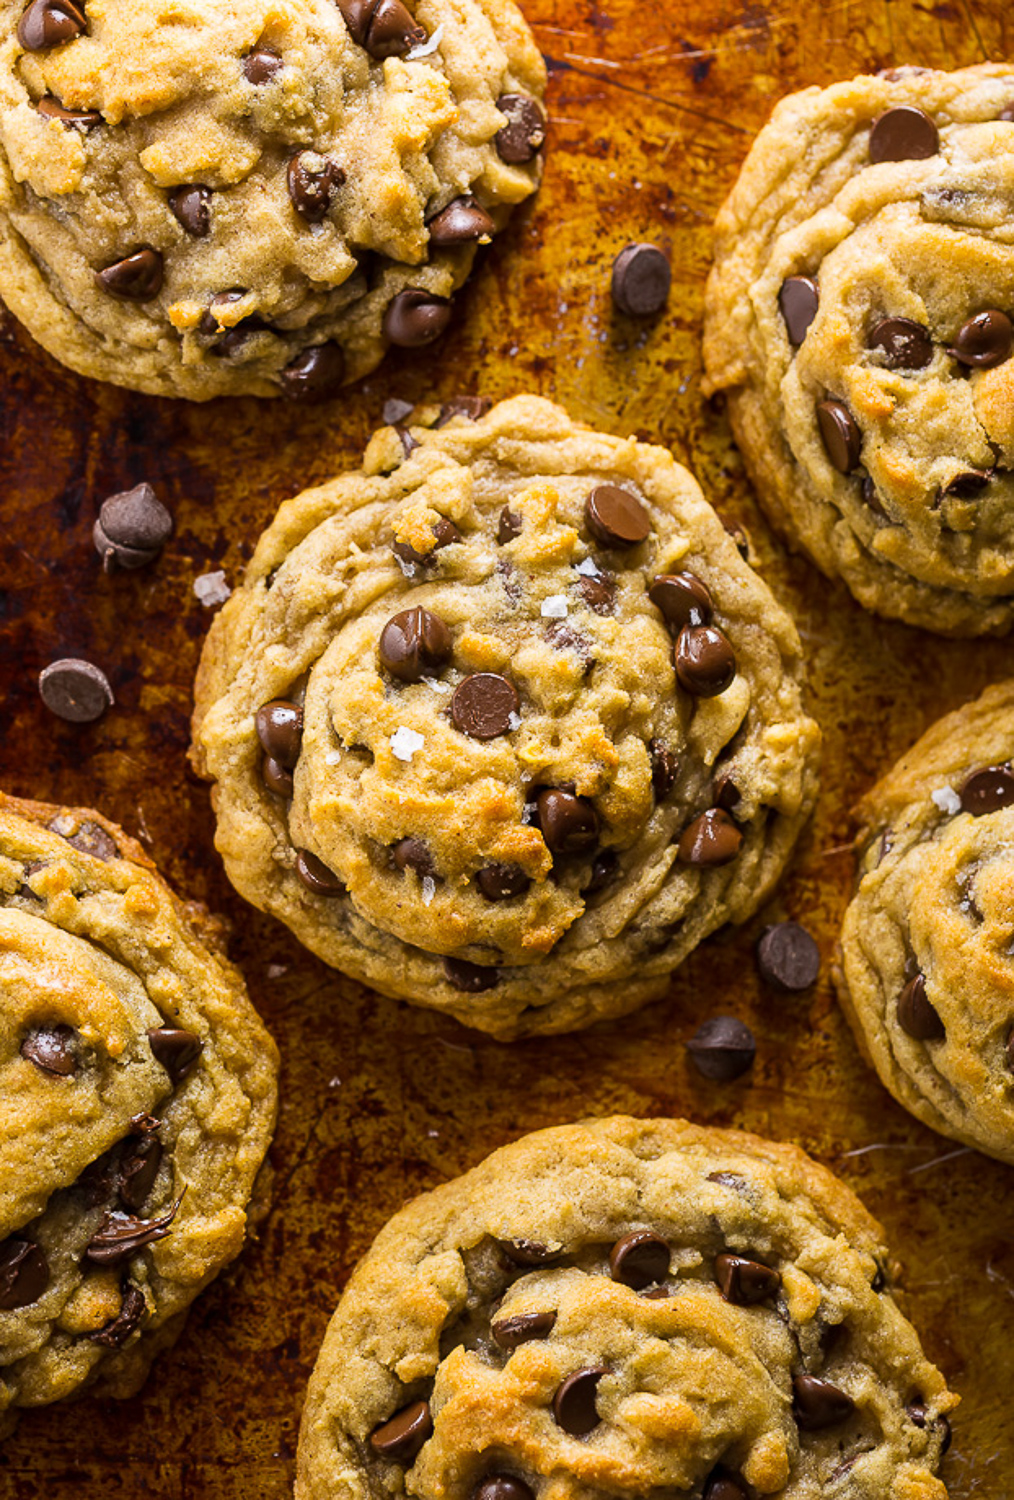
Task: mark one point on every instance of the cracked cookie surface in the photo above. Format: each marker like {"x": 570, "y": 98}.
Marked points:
{"x": 926, "y": 961}
{"x": 198, "y": 200}
{"x": 138, "y": 1090}
{"x": 859, "y": 320}
{"x": 504, "y": 724}
{"x": 626, "y": 1307}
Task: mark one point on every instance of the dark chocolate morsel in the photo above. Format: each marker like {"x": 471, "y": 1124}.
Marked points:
{"x": 903, "y": 133}
{"x": 798, "y": 300}
{"x": 276, "y": 778}
{"x": 191, "y": 208}
{"x": 414, "y": 644}
{"x": 501, "y": 882}
{"x": 711, "y": 839}
{"x": 984, "y": 341}
{"x": 569, "y": 824}
{"x": 261, "y": 65}
{"x": 721, "y": 1485}
{"x": 525, "y": 132}
{"x": 412, "y": 854}
{"x": 138, "y": 1171}
{"x": 314, "y": 874}
{"x": 313, "y": 181}
{"x": 641, "y": 280}
{"x": 788, "y": 957}
{"x": 727, "y": 794}
{"x": 818, "y": 1404}
{"x": 119, "y": 1235}
{"x": 682, "y": 598}
{"x": 279, "y": 727}
{"x": 392, "y": 30}
{"x": 988, "y": 790}
{"x": 74, "y": 119}
{"x": 704, "y": 660}
{"x": 508, "y": 526}
{"x": 24, "y": 1273}
{"x": 356, "y": 14}
{"x": 131, "y": 529}
{"x": 484, "y": 706}
{"x": 315, "y": 374}
{"x": 75, "y": 690}
{"x": 462, "y": 221}
{"x": 415, "y": 317}
{"x": 916, "y": 1015}
{"x": 52, "y": 1049}
{"x": 444, "y": 533}
{"x": 177, "y": 1050}
{"x": 502, "y": 1487}
{"x": 840, "y": 431}
{"x": 574, "y": 1401}
{"x": 528, "y": 1252}
{"x": 604, "y": 868}
{"x": 92, "y": 839}
{"x": 722, "y": 1048}
{"x": 639, "y": 1259}
{"x": 598, "y": 592}
{"x": 401, "y": 1438}
{"x": 116, "y": 1332}
{"x": 904, "y": 344}
{"x": 522, "y": 1328}
{"x": 137, "y": 277}
{"x": 917, "y": 1415}
{"x": 745, "y": 1282}
{"x": 469, "y": 978}
{"x": 969, "y": 483}
{"x": 872, "y": 499}
{"x": 46, "y": 23}
{"x": 615, "y": 517}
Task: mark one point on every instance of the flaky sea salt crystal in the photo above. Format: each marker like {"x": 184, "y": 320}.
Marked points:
{"x": 555, "y": 607}
{"x": 514, "y": 721}
{"x": 212, "y": 589}
{"x": 405, "y": 742}
{"x": 589, "y": 568}
{"x": 437, "y": 685}
{"x": 429, "y": 889}
{"x": 333, "y": 757}
{"x": 947, "y": 799}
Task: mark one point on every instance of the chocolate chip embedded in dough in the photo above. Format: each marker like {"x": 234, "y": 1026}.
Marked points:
{"x": 704, "y": 660}
{"x": 722, "y": 1048}
{"x": 818, "y": 1404}
{"x": 788, "y": 956}
{"x": 745, "y": 1282}
{"x": 529, "y": 1252}
{"x": 401, "y": 1438}
{"x": 462, "y": 221}
{"x": 664, "y": 768}
{"x": 120, "y": 1236}
{"x": 116, "y": 1332}
{"x": 138, "y": 1170}
{"x": 916, "y": 1015}
{"x": 191, "y": 208}
{"x": 177, "y": 1050}
{"x": 50, "y": 108}
{"x": 261, "y": 65}
{"x": 131, "y": 529}
{"x": 279, "y": 727}
{"x": 639, "y": 1258}
{"x": 277, "y": 779}
{"x": 872, "y": 499}
{"x": 682, "y": 598}
{"x": 711, "y": 839}
{"x": 444, "y": 533}
{"x": 988, "y": 790}
{"x": 392, "y": 30}
{"x": 469, "y": 978}
{"x": 24, "y": 1273}
{"x": 472, "y": 408}
{"x": 53, "y": 1049}
{"x": 903, "y": 133}
{"x": 500, "y": 882}
{"x": 721, "y": 1485}
{"x": 968, "y": 484}
{"x": 315, "y": 374}
{"x": 798, "y": 300}
{"x": 524, "y": 134}
{"x": 502, "y": 1487}
{"x": 904, "y": 344}
{"x": 839, "y": 429}
{"x": 641, "y": 280}
{"x": 415, "y": 643}
{"x": 484, "y": 705}
{"x": 984, "y": 341}
{"x": 313, "y": 181}
{"x": 47, "y": 23}
{"x": 137, "y": 277}
{"x": 415, "y": 317}
{"x": 508, "y": 526}
{"x": 75, "y": 690}
{"x": 314, "y": 874}
{"x": 521, "y": 1328}
{"x": 574, "y": 1402}
{"x": 412, "y": 854}
{"x": 919, "y": 1417}
{"x": 615, "y": 517}
{"x": 569, "y": 824}
{"x": 604, "y": 868}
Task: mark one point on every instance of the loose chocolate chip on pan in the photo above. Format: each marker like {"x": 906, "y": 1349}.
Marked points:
{"x": 916, "y": 1015}
{"x": 704, "y": 660}
{"x": 840, "y": 431}
{"x": 46, "y": 23}
{"x": 177, "y": 1050}
{"x": 276, "y": 778}
{"x": 720, "y": 1485}
{"x": 313, "y": 181}
{"x": 314, "y": 874}
{"x": 52, "y": 1049}
{"x": 138, "y": 1171}
{"x": 501, "y": 882}
{"x": 414, "y": 644}
{"x": 904, "y": 344}
{"x": 664, "y": 768}
{"x": 641, "y": 280}
{"x": 484, "y": 706}
{"x": 639, "y": 1259}
{"x": 903, "y": 133}
{"x": 745, "y": 1282}
{"x": 315, "y": 374}
{"x": 261, "y": 65}
{"x": 191, "y": 208}
{"x": 119, "y": 1235}
{"x": 683, "y": 599}
{"x": 798, "y": 299}
{"x": 75, "y": 690}
{"x": 444, "y": 533}
{"x": 604, "y": 868}
{"x": 711, "y": 839}
{"x": 412, "y": 854}
{"x": 615, "y": 517}
{"x": 279, "y": 727}
{"x": 469, "y": 407}
{"x": 788, "y": 957}
{"x": 569, "y": 824}
{"x": 988, "y": 790}
{"x": 574, "y": 1401}
{"x": 984, "y": 341}
{"x": 24, "y": 1273}
{"x": 817, "y": 1403}
{"x": 74, "y": 119}
{"x": 525, "y": 132}
{"x": 132, "y": 528}
{"x": 462, "y": 221}
{"x": 137, "y": 277}
{"x": 722, "y": 1048}
{"x": 509, "y": 1333}
{"x": 401, "y": 1438}
{"x": 132, "y": 1309}
{"x": 416, "y": 317}
{"x": 469, "y": 978}
{"x": 508, "y": 526}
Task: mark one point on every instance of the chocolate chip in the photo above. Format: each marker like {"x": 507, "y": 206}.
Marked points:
{"x": 639, "y": 1259}
{"x": 502, "y": 1487}
{"x": 919, "y": 1417}
{"x": 276, "y": 778}
{"x": 704, "y": 660}
{"x": 191, "y": 208}
{"x": 984, "y": 341}
{"x": 24, "y": 1273}
{"x": 91, "y": 839}
{"x": 119, "y": 1235}
{"x": 664, "y": 769}
{"x": 641, "y": 280}
{"x": 1010, "y": 1050}
{"x": 392, "y": 30}
{"x": 405, "y": 438}
{"x": 444, "y": 533}
{"x": 356, "y": 14}
{"x": 74, "y": 119}
{"x": 315, "y": 374}
{"x": 416, "y": 317}
{"x": 872, "y": 499}
{"x": 469, "y": 407}
{"x": 604, "y": 868}
{"x": 988, "y": 790}
{"x": 574, "y": 1401}
{"x": 682, "y": 598}
{"x": 729, "y": 1180}
{"x": 905, "y": 345}
{"x": 412, "y": 854}
{"x": 46, "y": 23}
{"x": 711, "y": 839}
{"x": 599, "y": 592}
{"x": 136, "y": 278}
{"x": 744, "y": 1282}
{"x": 401, "y": 1438}
{"x": 722, "y": 1048}
{"x": 903, "y": 134}
{"x": 501, "y": 882}
{"x": 916, "y": 1015}
{"x": 528, "y": 1252}
{"x": 569, "y": 824}
{"x": 969, "y": 483}
{"x": 52, "y": 1048}
{"x": 842, "y": 439}
{"x": 798, "y": 299}
{"x": 414, "y": 644}
{"x": 788, "y": 957}
{"x": 313, "y": 181}
{"x": 462, "y": 221}
{"x": 484, "y": 706}
{"x": 817, "y": 1403}
{"x": 471, "y": 979}
{"x": 727, "y": 794}
{"x": 522, "y": 1328}
{"x": 721, "y": 1485}
{"x": 523, "y": 135}
{"x": 279, "y": 727}
{"x": 138, "y": 1171}
{"x": 508, "y": 526}
{"x": 615, "y": 517}
{"x": 261, "y": 65}
{"x": 211, "y": 326}
{"x": 177, "y": 1050}
{"x": 75, "y": 690}
{"x": 132, "y": 1309}
{"x": 132, "y": 528}
{"x": 314, "y": 874}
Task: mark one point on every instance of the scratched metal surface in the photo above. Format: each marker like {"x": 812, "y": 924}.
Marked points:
{"x": 653, "y": 108}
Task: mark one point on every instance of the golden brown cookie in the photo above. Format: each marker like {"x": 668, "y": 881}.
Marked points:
{"x": 503, "y": 724}
{"x": 926, "y": 964}
{"x": 626, "y": 1307}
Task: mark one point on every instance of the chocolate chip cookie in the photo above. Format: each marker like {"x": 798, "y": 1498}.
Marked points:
{"x": 926, "y": 967}
{"x": 255, "y": 198}
{"x": 138, "y": 1090}
{"x": 859, "y": 320}
{"x": 504, "y": 724}
{"x": 626, "y": 1307}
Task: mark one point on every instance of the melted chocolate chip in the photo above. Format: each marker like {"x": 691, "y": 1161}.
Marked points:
{"x": 711, "y": 839}
{"x": 261, "y": 65}
{"x": 988, "y": 790}
{"x": 502, "y": 1487}
{"x": 904, "y": 344}
{"x": 277, "y": 779}
{"x": 968, "y": 484}
{"x": 315, "y": 374}
{"x": 401, "y": 1438}
{"x": 415, "y": 317}
{"x": 574, "y": 1401}
{"x": 704, "y": 660}
{"x": 919, "y": 1417}
{"x": 508, "y": 526}
{"x": 798, "y": 299}
{"x": 74, "y": 119}
{"x": 462, "y": 221}
{"x": 484, "y": 706}
{"x": 525, "y": 132}
{"x": 471, "y": 979}
{"x": 46, "y": 23}
{"x": 412, "y": 854}
{"x": 916, "y": 1015}
{"x": 509, "y": 1333}
{"x": 313, "y": 181}
{"x": 138, "y": 1170}
{"x": 528, "y": 1252}
{"x": 392, "y": 30}
{"x": 569, "y": 824}
{"x": 788, "y": 957}
{"x": 615, "y": 517}
{"x": 722, "y": 1048}
{"x": 664, "y": 769}
{"x": 444, "y": 533}
{"x": 24, "y": 1273}
{"x": 818, "y": 1404}
{"x": 839, "y": 429}
{"x": 137, "y": 277}
{"x": 641, "y": 280}
{"x": 75, "y": 690}
{"x": 119, "y": 1236}
{"x": 132, "y": 528}
{"x": 599, "y": 593}
{"x": 682, "y": 598}
{"x": 314, "y": 874}
{"x": 177, "y": 1050}
{"x": 501, "y": 882}
{"x": 415, "y": 644}
{"x": 639, "y": 1259}
{"x": 132, "y": 1309}
{"x": 191, "y": 208}
{"x": 903, "y": 133}
{"x": 604, "y": 868}
{"x": 984, "y": 341}
{"x": 744, "y": 1282}
{"x": 279, "y": 727}
{"x": 52, "y": 1049}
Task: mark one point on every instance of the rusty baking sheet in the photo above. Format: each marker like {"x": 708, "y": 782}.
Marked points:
{"x": 653, "y": 109}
